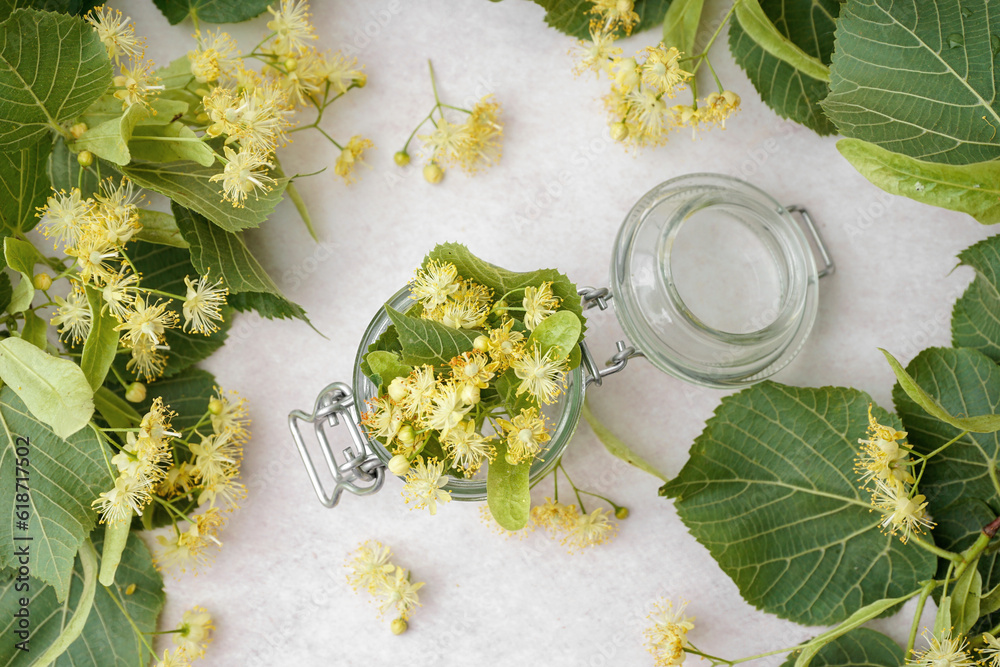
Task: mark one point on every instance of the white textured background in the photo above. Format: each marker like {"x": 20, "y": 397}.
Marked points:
{"x": 277, "y": 589}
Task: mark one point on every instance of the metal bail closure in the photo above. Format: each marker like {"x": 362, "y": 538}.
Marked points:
{"x": 598, "y": 297}
{"x": 362, "y": 472}
{"x": 828, "y": 266}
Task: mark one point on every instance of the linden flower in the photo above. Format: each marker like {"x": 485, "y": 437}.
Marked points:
{"x": 881, "y": 458}
{"x": 229, "y": 414}
{"x": 419, "y": 387}
{"x": 719, "y": 106}
{"x": 147, "y": 320}
{"x": 245, "y": 173}
{"x": 484, "y": 134}
{"x": 225, "y": 490}
{"x": 689, "y": 116}
{"x": 900, "y": 513}
{"x": 473, "y": 368}
{"x": 350, "y": 157}
{"x": 525, "y": 434}
{"x": 177, "y": 480}
{"x": 468, "y": 448}
{"x": 258, "y": 122}
{"x": 93, "y": 254}
{"x": 176, "y": 658}
{"x": 342, "y": 73}
{"x": 135, "y": 83}
{"x": 195, "y": 632}
{"x": 369, "y": 566}
{"x": 460, "y": 314}
{"x": 589, "y": 530}
{"x": 648, "y": 118}
{"x": 147, "y": 361}
{"x": 222, "y": 107}
{"x": 73, "y": 316}
{"x": 447, "y": 143}
{"x": 613, "y": 13}
{"x": 383, "y": 419}
{"x": 291, "y": 26}
{"x": 541, "y": 375}
{"x": 218, "y": 55}
{"x": 538, "y": 303}
{"x": 399, "y": 593}
{"x": 117, "y": 210}
{"x": 202, "y": 304}
{"x": 990, "y": 653}
{"x": 65, "y": 216}
{"x": 554, "y": 516}
{"x": 115, "y": 32}
{"x": 217, "y": 457}
{"x": 661, "y": 70}
{"x": 434, "y": 284}
{"x": 666, "y": 638}
{"x": 597, "y": 53}
{"x": 128, "y": 497}
{"x": 943, "y": 652}
{"x": 446, "y": 410}
{"x": 506, "y": 344}
{"x": 424, "y": 482}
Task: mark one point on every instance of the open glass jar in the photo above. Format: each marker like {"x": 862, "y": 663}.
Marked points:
{"x": 714, "y": 282}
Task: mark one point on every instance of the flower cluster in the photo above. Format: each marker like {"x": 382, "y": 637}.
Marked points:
{"x": 576, "y": 530}
{"x": 135, "y": 82}
{"x": 471, "y": 144}
{"x": 191, "y": 638}
{"x": 884, "y": 467}
{"x": 94, "y": 231}
{"x": 667, "y": 638}
{"x": 639, "y": 105}
{"x": 390, "y": 585}
{"x": 950, "y": 651}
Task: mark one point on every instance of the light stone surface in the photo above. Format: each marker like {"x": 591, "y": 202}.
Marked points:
{"x": 277, "y": 589}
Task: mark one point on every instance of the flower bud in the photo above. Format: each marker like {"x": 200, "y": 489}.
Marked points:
{"x": 215, "y": 406}
{"x": 482, "y": 343}
{"x": 397, "y": 389}
{"x": 85, "y": 158}
{"x": 406, "y": 435}
{"x": 398, "y": 626}
{"x": 136, "y": 393}
{"x": 402, "y": 158}
{"x": 291, "y": 64}
{"x": 619, "y": 131}
{"x": 78, "y": 130}
{"x": 621, "y": 512}
{"x": 361, "y": 81}
{"x": 399, "y": 465}
{"x": 42, "y": 281}
{"x": 433, "y": 173}
{"x": 627, "y": 74}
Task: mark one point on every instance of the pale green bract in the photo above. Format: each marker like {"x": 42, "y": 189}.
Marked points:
{"x": 861, "y": 647}
{"x": 680, "y": 24}
{"x": 508, "y": 491}
{"x": 761, "y": 30}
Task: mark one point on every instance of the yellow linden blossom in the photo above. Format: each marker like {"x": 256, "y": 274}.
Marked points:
{"x": 202, "y": 306}
{"x": 65, "y": 216}
{"x": 900, "y": 512}
{"x": 369, "y": 566}
{"x": 589, "y": 530}
{"x": 990, "y": 653}
{"x": 539, "y": 303}
{"x": 720, "y": 106}
{"x": 648, "y": 119}
{"x": 468, "y": 448}
{"x": 148, "y": 360}
{"x": 342, "y": 73}
{"x": 218, "y": 55}
{"x": 424, "y": 482}
{"x": 128, "y": 497}
{"x": 221, "y": 106}
{"x": 484, "y": 135}
{"x": 418, "y": 391}
{"x": 116, "y": 214}
{"x": 217, "y": 458}
{"x": 194, "y": 632}
{"x": 245, "y": 173}
{"x": 541, "y": 375}
{"x": 555, "y": 517}
{"x": 943, "y": 652}
{"x": 881, "y": 457}
{"x": 447, "y": 408}
{"x": 383, "y": 419}
{"x": 447, "y": 143}
{"x": 614, "y": 13}
{"x": 177, "y": 481}
{"x": 465, "y": 314}
{"x": 135, "y": 83}
{"x": 666, "y": 638}
{"x": 505, "y": 344}
{"x": 661, "y": 70}
{"x": 115, "y": 32}
{"x": 350, "y": 157}
{"x": 399, "y": 593}
{"x": 119, "y": 292}
{"x": 229, "y": 415}
{"x": 525, "y": 434}
{"x": 473, "y": 368}
{"x": 94, "y": 254}
{"x": 434, "y": 284}
{"x": 597, "y": 53}
{"x": 176, "y": 658}
{"x": 291, "y": 27}
{"x": 72, "y": 316}
{"x": 147, "y": 321}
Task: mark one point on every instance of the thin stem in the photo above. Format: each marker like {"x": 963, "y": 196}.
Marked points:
{"x": 714, "y": 75}
{"x": 936, "y": 550}
{"x": 417, "y": 128}
{"x": 118, "y": 376}
{"x": 576, "y": 491}
{"x": 433, "y": 83}
{"x": 715, "y": 35}
{"x": 921, "y": 601}
{"x": 170, "y": 506}
{"x": 607, "y": 500}
{"x": 150, "y": 290}
{"x": 942, "y": 447}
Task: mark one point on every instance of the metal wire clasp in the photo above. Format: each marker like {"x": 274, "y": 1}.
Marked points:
{"x": 829, "y": 267}
{"x": 598, "y": 297}
{"x": 362, "y": 472}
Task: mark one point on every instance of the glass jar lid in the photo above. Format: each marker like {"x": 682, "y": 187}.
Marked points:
{"x": 714, "y": 281}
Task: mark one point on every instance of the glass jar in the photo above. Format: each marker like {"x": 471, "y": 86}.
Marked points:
{"x": 713, "y": 281}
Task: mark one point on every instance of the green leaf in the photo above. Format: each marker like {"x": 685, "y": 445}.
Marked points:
{"x": 116, "y": 411}
{"x": 429, "y": 342}
{"x": 388, "y": 342}
{"x": 618, "y": 448}
{"x": 7, "y": 293}
{"x": 821, "y": 647}
{"x": 572, "y": 17}
{"x": 35, "y": 330}
{"x": 899, "y": 78}
{"x": 680, "y": 24}
{"x": 967, "y": 188}
{"x": 188, "y": 185}
{"x": 71, "y": 630}
{"x": 24, "y": 185}
{"x": 164, "y": 268}
{"x": 110, "y": 139}
{"x": 55, "y": 390}
{"x": 387, "y": 366}
{"x": 561, "y": 331}
{"x": 859, "y": 648}
{"x": 976, "y": 424}
{"x": 159, "y": 228}
{"x": 770, "y": 490}
{"x": 170, "y": 143}
{"x": 790, "y": 92}
{"x": 64, "y": 171}
{"x": 187, "y": 394}
{"x": 108, "y": 639}
{"x": 508, "y": 493}
{"x": 108, "y": 107}
{"x": 102, "y": 342}
{"x": 990, "y": 602}
{"x": 224, "y": 253}
{"x": 965, "y": 601}
{"x": 211, "y": 11}
{"x": 758, "y": 26}
{"x": 973, "y": 321}
{"x": 65, "y": 475}
{"x": 502, "y": 281}
{"x": 22, "y": 257}
{"x": 962, "y": 381}
{"x": 52, "y": 67}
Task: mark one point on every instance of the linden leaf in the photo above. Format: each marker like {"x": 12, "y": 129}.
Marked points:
{"x": 24, "y": 185}
{"x": 429, "y": 342}
{"x": 861, "y": 647}
{"x": 974, "y": 322}
{"x": 212, "y": 11}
